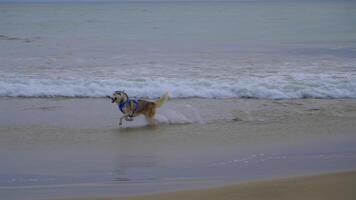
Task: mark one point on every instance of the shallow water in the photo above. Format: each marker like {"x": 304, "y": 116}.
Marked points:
{"x": 226, "y": 53}
{"x": 73, "y": 147}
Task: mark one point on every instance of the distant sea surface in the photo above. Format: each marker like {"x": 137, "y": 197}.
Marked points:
{"x": 248, "y": 49}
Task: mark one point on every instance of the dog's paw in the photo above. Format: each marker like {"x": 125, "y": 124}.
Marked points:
{"x": 129, "y": 119}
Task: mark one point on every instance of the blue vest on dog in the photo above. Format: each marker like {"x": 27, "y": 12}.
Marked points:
{"x": 133, "y": 104}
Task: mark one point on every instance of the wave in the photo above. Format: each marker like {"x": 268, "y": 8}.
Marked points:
{"x": 9, "y": 38}
{"x": 277, "y": 86}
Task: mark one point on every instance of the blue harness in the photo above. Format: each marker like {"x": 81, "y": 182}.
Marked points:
{"x": 130, "y": 102}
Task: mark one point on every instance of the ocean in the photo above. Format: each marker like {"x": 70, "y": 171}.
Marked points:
{"x": 242, "y": 49}
{"x": 260, "y": 90}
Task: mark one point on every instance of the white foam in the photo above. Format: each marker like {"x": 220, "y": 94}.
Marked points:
{"x": 183, "y": 114}
{"x": 269, "y": 86}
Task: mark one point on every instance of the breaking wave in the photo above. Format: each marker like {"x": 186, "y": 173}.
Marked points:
{"x": 277, "y": 86}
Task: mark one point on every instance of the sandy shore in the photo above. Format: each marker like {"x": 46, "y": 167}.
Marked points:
{"x": 321, "y": 187}
{"x": 73, "y": 148}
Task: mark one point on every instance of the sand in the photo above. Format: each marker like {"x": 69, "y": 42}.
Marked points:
{"x": 73, "y": 148}
{"x": 333, "y": 186}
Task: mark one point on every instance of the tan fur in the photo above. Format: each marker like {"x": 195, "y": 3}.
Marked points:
{"x": 144, "y": 107}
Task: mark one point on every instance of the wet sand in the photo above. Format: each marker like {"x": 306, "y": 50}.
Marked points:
{"x": 64, "y": 148}
{"x": 333, "y": 186}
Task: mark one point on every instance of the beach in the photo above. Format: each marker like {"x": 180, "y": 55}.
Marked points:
{"x": 262, "y": 99}
{"x": 331, "y": 186}
{"x": 65, "y": 147}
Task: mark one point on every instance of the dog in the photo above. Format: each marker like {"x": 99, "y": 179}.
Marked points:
{"x": 132, "y": 108}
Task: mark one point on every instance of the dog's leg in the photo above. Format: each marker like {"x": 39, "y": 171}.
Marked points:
{"x": 126, "y": 117}
{"x": 121, "y": 118}
{"x": 151, "y": 121}
{"x": 150, "y": 115}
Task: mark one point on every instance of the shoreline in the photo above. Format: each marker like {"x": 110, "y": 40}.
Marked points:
{"x": 334, "y": 185}
{"x": 74, "y": 148}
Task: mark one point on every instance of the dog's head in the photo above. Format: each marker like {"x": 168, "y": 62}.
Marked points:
{"x": 119, "y": 97}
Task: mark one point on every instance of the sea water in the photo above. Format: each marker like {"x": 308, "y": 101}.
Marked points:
{"x": 60, "y": 147}
{"x": 240, "y": 49}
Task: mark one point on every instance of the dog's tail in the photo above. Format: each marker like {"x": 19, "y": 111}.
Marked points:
{"x": 163, "y": 99}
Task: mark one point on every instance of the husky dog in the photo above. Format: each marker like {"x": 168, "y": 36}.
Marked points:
{"x": 132, "y": 108}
